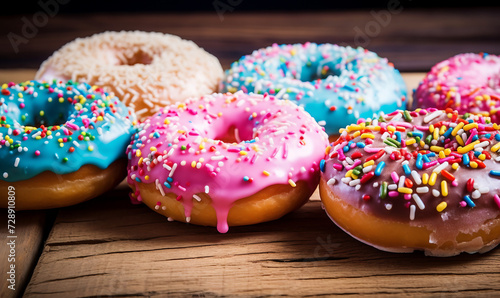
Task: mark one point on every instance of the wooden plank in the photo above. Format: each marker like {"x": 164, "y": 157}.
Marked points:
{"x": 109, "y": 247}
{"x": 414, "y": 39}
{"x": 21, "y": 249}
{"x": 16, "y": 75}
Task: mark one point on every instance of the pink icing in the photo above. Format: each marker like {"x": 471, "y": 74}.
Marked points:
{"x": 465, "y": 82}
{"x": 179, "y": 149}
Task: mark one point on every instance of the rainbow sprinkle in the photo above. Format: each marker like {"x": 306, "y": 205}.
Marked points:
{"x": 335, "y": 84}
{"x": 60, "y": 126}
{"x": 423, "y": 158}
{"x": 231, "y": 145}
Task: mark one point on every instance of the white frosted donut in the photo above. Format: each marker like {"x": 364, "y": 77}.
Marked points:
{"x": 146, "y": 70}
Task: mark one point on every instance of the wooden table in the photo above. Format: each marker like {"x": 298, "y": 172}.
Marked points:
{"x": 108, "y": 246}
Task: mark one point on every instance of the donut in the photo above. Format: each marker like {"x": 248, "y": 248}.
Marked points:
{"x": 61, "y": 143}
{"x": 425, "y": 180}
{"x": 226, "y": 160}
{"x": 146, "y": 70}
{"x": 335, "y": 84}
{"x": 468, "y": 83}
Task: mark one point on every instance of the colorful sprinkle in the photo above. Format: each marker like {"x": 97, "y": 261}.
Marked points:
{"x": 441, "y": 206}
{"x": 495, "y": 173}
{"x": 61, "y": 128}
{"x": 192, "y": 162}
{"x": 429, "y": 160}
{"x": 348, "y": 85}
{"x": 469, "y": 201}
{"x": 379, "y": 168}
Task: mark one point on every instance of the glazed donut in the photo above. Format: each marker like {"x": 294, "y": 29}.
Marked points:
{"x": 60, "y": 143}
{"x": 146, "y": 70}
{"x": 469, "y": 83}
{"x": 335, "y": 84}
{"x": 422, "y": 180}
{"x": 226, "y": 160}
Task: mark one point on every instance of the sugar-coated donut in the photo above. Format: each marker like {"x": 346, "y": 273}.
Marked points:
{"x": 61, "y": 143}
{"x": 146, "y": 70}
{"x": 469, "y": 83}
{"x": 226, "y": 160}
{"x": 422, "y": 180}
{"x": 335, "y": 84}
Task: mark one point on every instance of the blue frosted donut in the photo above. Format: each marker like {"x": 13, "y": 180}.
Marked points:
{"x": 335, "y": 84}
{"x": 53, "y": 130}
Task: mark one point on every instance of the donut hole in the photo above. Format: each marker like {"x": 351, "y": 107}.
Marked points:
{"x": 48, "y": 118}
{"x": 319, "y": 71}
{"x": 234, "y": 135}
{"x": 51, "y": 113}
{"x": 139, "y": 57}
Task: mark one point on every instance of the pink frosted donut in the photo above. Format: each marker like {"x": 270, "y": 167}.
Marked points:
{"x": 226, "y": 160}
{"x": 469, "y": 83}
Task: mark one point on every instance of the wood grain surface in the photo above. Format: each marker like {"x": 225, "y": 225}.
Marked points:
{"x": 109, "y": 247}
{"x": 30, "y": 229}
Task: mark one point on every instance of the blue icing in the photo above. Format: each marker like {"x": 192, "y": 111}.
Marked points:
{"x": 334, "y": 84}
{"x": 60, "y": 127}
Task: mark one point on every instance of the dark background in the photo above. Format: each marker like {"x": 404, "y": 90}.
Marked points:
{"x": 114, "y": 6}
{"x": 420, "y": 35}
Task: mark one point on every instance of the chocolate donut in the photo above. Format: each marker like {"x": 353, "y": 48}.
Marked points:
{"x": 423, "y": 180}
